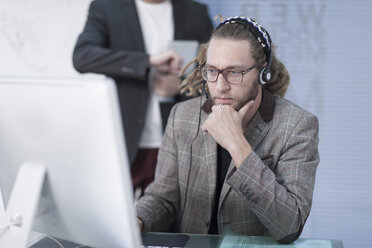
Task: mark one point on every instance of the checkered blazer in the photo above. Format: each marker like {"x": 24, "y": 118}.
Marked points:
{"x": 269, "y": 194}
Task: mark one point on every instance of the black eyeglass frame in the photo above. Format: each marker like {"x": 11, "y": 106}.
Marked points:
{"x": 243, "y": 72}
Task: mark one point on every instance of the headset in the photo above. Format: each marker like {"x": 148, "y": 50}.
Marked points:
{"x": 263, "y": 38}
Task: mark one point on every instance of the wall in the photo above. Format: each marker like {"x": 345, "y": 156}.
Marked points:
{"x": 325, "y": 46}
{"x": 37, "y": 37}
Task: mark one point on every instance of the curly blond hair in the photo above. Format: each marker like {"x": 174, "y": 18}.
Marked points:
{"x": 192, "y": 85}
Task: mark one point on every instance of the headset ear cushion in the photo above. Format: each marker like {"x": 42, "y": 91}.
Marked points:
{"x": 262, "y": 79}
{"x": 265, "y": 76}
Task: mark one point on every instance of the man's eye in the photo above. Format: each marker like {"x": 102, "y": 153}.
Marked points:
{"x": 211, "y": 71}
{"x": 233, "y": 73}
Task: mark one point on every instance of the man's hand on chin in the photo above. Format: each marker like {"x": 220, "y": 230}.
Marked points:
{"x": 225, "y": 125}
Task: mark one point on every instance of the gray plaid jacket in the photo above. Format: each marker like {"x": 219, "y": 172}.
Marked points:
{"x": 269, "y": 194}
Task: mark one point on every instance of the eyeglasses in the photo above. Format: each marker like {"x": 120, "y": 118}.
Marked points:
{"x": 231, "y": 76}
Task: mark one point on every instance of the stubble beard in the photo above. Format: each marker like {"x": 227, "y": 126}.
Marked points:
{"x": 252, "y": 94}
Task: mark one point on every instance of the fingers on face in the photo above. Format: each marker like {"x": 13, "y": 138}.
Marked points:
{"x": 215, "y": 107}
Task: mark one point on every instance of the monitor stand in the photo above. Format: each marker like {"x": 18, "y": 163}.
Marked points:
{"x": 16, "y": 221}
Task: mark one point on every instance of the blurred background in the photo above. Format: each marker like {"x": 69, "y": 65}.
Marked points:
{"x": 324, "y": 45}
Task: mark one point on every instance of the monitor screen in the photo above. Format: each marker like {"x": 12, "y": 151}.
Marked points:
{"x": 73, "y": 127}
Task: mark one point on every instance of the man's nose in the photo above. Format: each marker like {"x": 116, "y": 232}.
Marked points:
{"x": 221, "y": 83}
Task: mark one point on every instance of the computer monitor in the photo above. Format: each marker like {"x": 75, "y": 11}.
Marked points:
{"x": 62, "y": 139}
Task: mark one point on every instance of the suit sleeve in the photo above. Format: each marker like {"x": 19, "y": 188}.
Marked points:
{"x": 93, "y": 54}
{"x": 282, "y": 198}
{"x": 158, "y": 208}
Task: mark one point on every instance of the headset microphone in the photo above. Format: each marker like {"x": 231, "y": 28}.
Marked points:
{"x": 203, "y": 90}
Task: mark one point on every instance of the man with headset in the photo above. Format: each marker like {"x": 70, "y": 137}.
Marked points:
{"x": 241, "y": 159}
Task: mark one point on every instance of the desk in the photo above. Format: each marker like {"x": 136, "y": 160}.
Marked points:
{"x": 213, "y": 241}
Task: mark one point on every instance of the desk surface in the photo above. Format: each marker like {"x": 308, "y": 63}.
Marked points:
{"x": 211, "y": 241}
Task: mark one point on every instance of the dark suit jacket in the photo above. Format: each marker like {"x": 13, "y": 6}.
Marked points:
{"x": 112, "y": 44}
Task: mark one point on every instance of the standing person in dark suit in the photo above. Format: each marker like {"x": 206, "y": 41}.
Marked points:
{"x": 128, "y": 41}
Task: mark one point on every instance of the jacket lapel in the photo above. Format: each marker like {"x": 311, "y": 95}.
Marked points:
{"x": 255, "y": 133}
{"x": 131, "y": 16}
{"x": 178, "y": 16}
{"x": 210, "y": 153}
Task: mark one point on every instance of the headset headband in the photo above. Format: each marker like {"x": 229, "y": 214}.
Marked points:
{"x": 256, "y": 29}
{"x": 260, "y": 33}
